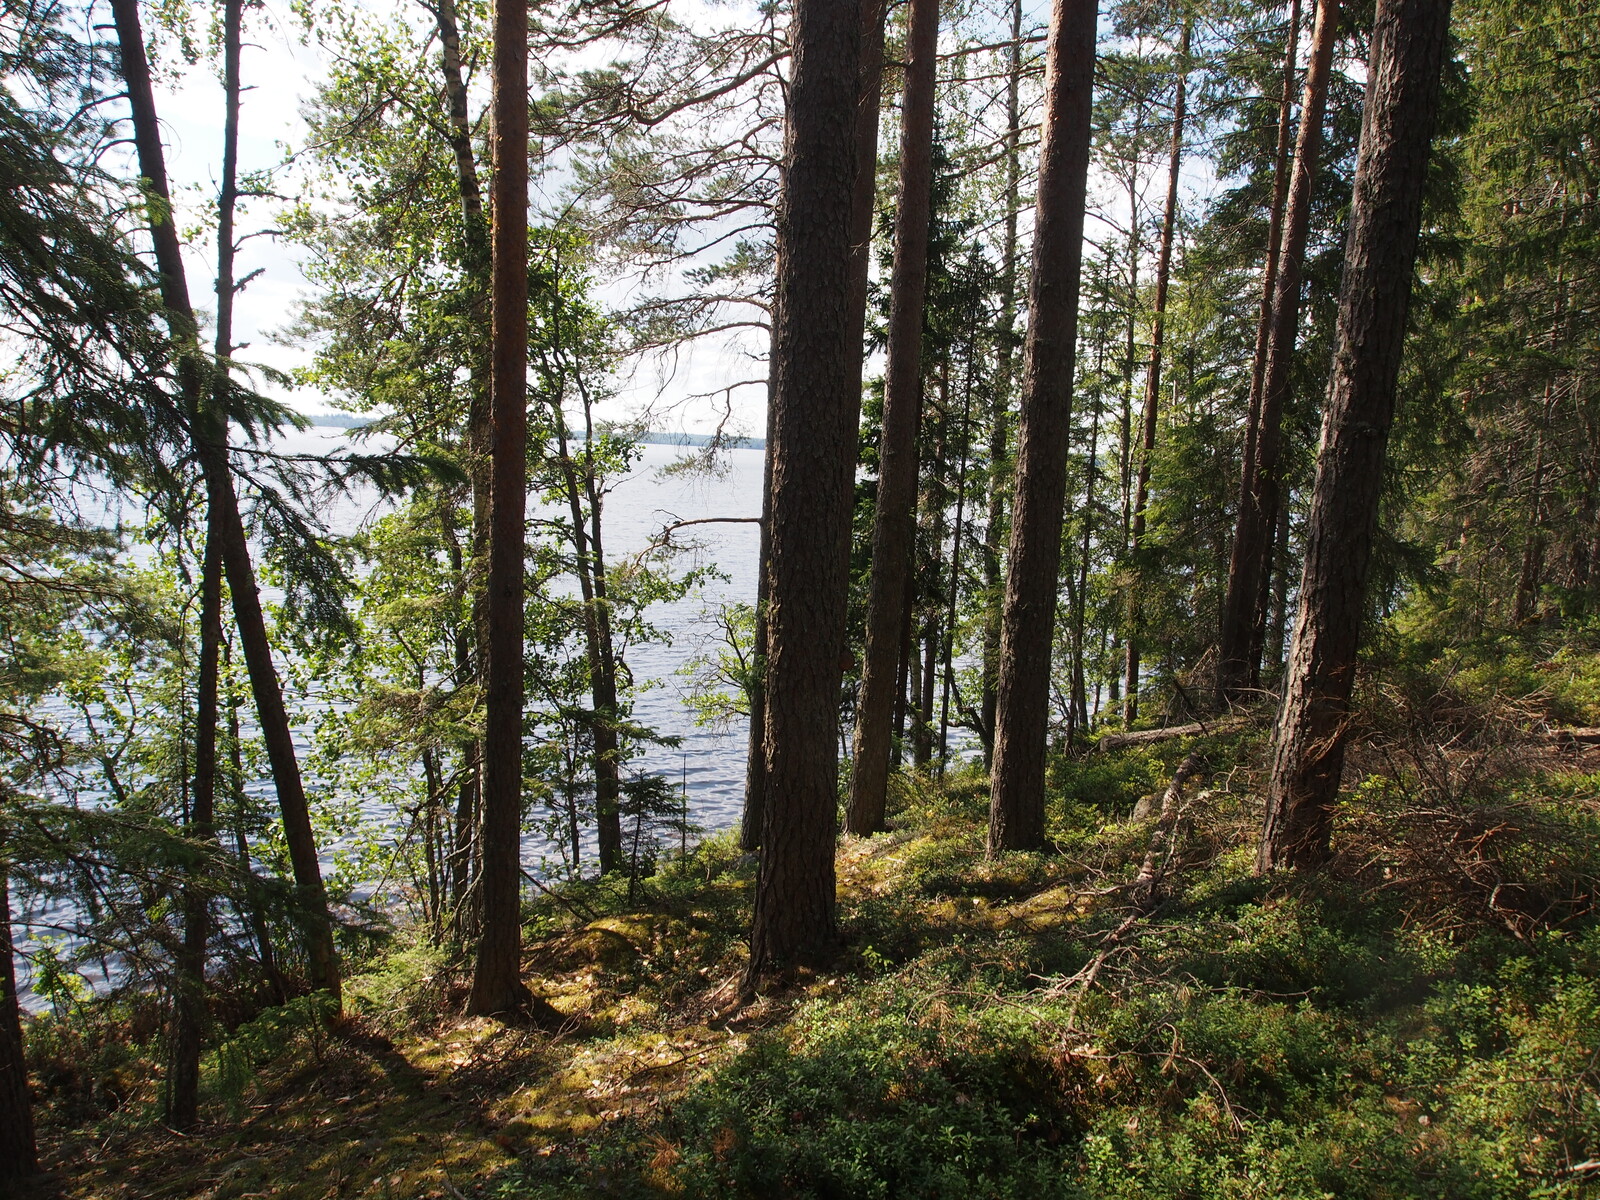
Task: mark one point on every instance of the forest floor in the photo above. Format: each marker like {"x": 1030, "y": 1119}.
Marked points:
{"x": 1132, "y": 1014}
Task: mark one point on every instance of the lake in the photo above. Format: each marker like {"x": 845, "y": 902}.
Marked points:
{"x": 709, "y": 762}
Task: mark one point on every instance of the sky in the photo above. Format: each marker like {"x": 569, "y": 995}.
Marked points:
{"x": 282, "y": 73}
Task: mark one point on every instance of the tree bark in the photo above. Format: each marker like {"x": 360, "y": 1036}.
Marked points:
{"x": 589, "y": 552}
{"x": 869, "y": 80}
{"x": 1152, "y": 382}
{"x": 497, "y": 985}
{"x": 1080, "y": 599}
{"x": 1402, "y": 100}
{"x": 1280, "y": 194}
{"x": 208, "y": 430}
{"x": 893, "y": 524}
{"x": 1525, "y": 606}
{"x": 1016, "y": 809}
{"x": 953, "y": 590}
{"x": 816, "y": 400}
{"x": 183, "y": 1080}
{"x": 19, "y": 1157}
{"x": 755, "y": 762}
{"x": 1239, "y": 655}
{"x": 475, "y": 233}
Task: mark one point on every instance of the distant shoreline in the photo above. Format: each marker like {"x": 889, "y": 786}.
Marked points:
{"x": 652, "y": 438}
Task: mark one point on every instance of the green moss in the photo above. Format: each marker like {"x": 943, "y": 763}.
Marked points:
{"x": 1378, "y": 1030}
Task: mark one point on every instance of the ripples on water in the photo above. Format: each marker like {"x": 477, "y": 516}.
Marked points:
{"x": 709, "y": 762}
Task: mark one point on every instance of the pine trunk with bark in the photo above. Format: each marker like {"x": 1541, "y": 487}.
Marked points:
{"x": 893, "y": 527}
{"x": 497, "y": 986}
{"x": 1250, "y": 562}
{"x": 583, "y": 492}
{"x": 1027, "y": 627}
{"x": 816, "y": 403}
{"x": 1280, "y": 195}
{"x": 869, "y": 79}
{"x": 1000, "y": 426}
{"x": 1409, "y": 40}
{"x": 183, "y": 1080}
{"x": 19, "y": 1156}
{"x": 188, "y": 1026}
{"x": 463, "y": 867}
{"x": 208, "y": 431}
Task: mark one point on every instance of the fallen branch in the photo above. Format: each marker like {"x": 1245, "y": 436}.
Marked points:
{"x": 1149, "y": 737}
{"x": 588, "y": 914}
{"x": 1576, "y": 736}
{"x": 1142, "y": 892}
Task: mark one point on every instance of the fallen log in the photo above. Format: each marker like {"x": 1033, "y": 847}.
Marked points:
{"x": 1573, "y": 737}
{"x": 1147, "y": 737}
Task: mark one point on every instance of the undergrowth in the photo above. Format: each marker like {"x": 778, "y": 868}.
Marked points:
{"x": 1419, "y": 1019}
{"x": 1377, "y": 1030}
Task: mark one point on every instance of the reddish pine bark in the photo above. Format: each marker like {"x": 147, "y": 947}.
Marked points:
{"x": 1250, "y": 563}
{"x": 497, "y": 985}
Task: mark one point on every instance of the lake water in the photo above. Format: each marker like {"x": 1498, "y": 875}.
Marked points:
{"x": 709, "y": 762}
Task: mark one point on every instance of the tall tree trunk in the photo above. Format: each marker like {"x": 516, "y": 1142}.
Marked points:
{"x": 1280, "y": 193}
{"x": 999, "y": 430}
{"x": 1408, "y": 53}
{"x": 1027, "y": 631}
{"x": 250, "y": 910}
{"x": 869, "y": 81}
{"x": 209, "y": 434}
{"x": 928, "y": 680}
{"x": 19, "y": 1157}
{"x": 893, "y": 526}
{"x": 906, "y": 673}
{"x": 755, "y": 762}
{"x": 933, "y": 517}
{"x": 1152, "y": 382}
{"x": 1278, "y": 618}
{"x": 183, "y": 1080}
{"x": 1529, "y": 579}
{"x": 816, "y": 399}
{"x": 953, "y": 591}
{"x": 608, "y": 750}
{"x": 1081, "y": 593}
{"x": 497, "y": 985}
{"x": 461, "y": 859}
{"x": 583, "y": 491}
{"x": 1239, "y": 655}
{"x": 478, "y": 436}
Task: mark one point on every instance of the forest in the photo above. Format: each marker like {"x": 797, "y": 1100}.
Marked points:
{"x": 1168, "y": 698}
